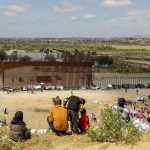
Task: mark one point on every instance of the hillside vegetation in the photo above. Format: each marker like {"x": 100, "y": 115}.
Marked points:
{"x": 119, "y": 53}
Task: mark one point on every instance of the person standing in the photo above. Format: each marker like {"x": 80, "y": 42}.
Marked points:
{"x": 137, "y": 91}
{"x": 73, "y": 109}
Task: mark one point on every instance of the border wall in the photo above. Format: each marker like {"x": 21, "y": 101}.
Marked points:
{"x": 119, "y": 79}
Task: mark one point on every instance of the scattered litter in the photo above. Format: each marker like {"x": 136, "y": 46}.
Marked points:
{"x": 97, "y": 102}
{"x": 2, "y": 122}
{"x": 138, "y": 115}
{"x": 39, "y": 131}
{"x": 138, "y": 99}
{"x": 142, "y": 126}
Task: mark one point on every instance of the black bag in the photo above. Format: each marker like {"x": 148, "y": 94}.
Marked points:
{"x": 121, "y": 102}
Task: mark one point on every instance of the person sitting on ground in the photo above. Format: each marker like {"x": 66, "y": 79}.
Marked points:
{"x": 58, "y": 118}
{"x": 121, "y": 104}
{"x": 124, "y": 111}
{"x": 18, "y": 130}
{"x": 73, "y": 109}
{"x": 84, "y": 123}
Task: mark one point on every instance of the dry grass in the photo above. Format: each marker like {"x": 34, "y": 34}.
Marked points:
{"x": 28, "y": 102}
{"x": 139, "y": 62}
{"x": 78, "y": 142}
{"x": 131, "y": 47}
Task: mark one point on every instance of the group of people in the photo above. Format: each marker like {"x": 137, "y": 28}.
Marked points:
{"x": 59, "y": 116}
{"x": 69, "y": 111}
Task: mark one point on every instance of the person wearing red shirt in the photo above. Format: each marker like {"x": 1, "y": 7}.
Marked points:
{"x": 84, "y": 123}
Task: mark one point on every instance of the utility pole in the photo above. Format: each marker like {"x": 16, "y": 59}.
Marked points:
{"x": 3, "y": 79}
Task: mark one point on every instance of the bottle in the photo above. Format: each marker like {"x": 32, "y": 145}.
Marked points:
{"x": 93, "y": 117}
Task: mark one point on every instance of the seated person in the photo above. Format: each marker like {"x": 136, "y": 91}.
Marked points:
{"x": 124, "y": 111}
{"x": 58, "y": 118}
{"x": 84, "y": 123}
{"x": 121, "y": 102}
{"x": 18, "y": 130}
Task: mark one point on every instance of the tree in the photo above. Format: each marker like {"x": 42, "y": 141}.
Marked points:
{"x": 104, "y": 60}
{"x": 50, "y": 57}
{"x": 3, "y": 56}
{"x": 13, "y": 57}
{"x": 25, "y": 58}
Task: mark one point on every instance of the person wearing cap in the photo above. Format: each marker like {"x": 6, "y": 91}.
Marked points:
{"x": 58, "y": 117}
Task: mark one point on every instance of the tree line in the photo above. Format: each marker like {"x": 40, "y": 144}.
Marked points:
{"x": 66, "y": 56}
{"x": 13, "y": 57}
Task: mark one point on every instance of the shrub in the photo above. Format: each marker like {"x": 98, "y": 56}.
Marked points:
{"x": 3, "y": 55}
{"x": 113, "y": 129}
{"x": 7, "y": 144}
{"x": 25, "y": 58}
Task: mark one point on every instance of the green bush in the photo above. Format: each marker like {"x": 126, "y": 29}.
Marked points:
{"x": 112, "y": 128}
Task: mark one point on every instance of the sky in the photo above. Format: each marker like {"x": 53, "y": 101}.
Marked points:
{"x": 74, "y": 18}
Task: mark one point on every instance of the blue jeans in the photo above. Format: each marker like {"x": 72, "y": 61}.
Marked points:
{"x": 51, "y": 125}
{"x": 74, "y": 121}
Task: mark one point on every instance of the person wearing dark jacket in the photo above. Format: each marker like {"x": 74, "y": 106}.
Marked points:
{"x": 18, "y": 130}
{"x": 73, "y": 109}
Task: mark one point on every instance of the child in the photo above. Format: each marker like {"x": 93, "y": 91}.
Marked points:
{"x": 84, "y": 123}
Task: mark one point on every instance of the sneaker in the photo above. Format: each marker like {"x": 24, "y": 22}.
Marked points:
{"x": 73, "y": 132}
{"x": 59, "y": 134}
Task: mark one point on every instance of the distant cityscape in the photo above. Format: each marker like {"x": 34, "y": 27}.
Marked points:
{"x": 105, "y": 40}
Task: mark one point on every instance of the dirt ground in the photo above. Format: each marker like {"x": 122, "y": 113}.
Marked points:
{"x": 29, "y": 103}
{"x": 131, "y": 47}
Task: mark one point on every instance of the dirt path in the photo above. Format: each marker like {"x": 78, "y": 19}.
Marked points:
{"x": 28, "y": 103}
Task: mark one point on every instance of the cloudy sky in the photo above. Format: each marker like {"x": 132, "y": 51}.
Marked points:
{"x": 74, "y": 18}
